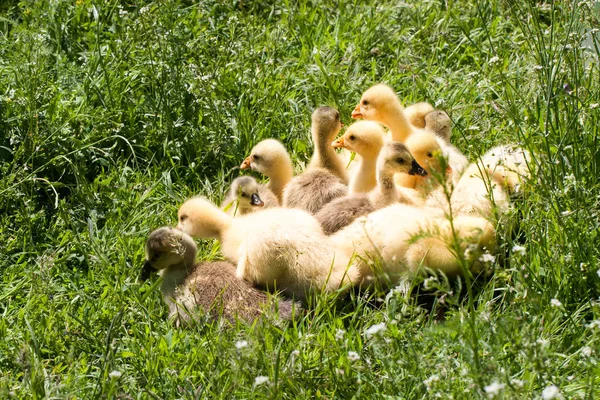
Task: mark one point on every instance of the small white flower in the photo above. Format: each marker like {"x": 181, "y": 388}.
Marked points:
{"x": 114, "y": 375}
{"x": 586, "y": 351}
{"x": 517, "y": 383}
{"x": 296, "y": 353}
{"x": 339, "y": 334}
{"x": 520, "y": 250}
{"x": 550, "y": 392}
{"x": 493, "y": 389}
{"x": 429, "y": 282}
{"x": 353, "y": 356}
{"x": 430, "y": 381}
{"x": 494, "y": 59}
{"x": 537, "y": 68}
{"x": 375, "y": 329}
{"x": 543, "y": 342}
{"x": 487, "y": 258}
{"x": 556, "y": 303}
{"x": 240, "y": 344}
{"x": 594, "y": 105}
{"x": 259, "y": 380}
{"x": 594, "y": 324}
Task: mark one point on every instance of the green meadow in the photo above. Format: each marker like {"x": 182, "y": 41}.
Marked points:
{"x": 112, "y": 113}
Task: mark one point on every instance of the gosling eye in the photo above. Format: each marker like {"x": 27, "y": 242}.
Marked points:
{"x": 429, "y": 155}
{"x": 244, "y": 195}
{"x": 183, "y": 218}
{"x": 365, "y": 102}
{"x": 256, "y": 157}
{"x": 400, "y": 160}
{"x": 337, "y": 116}
{"x": 351, "y": 137}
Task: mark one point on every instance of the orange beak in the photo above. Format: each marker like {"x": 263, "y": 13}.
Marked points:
{"x": 448, "y": 170}
{"x": 246, "y": 163}
{"x": 338, "y": 143}
{"x": 356, "y": 114}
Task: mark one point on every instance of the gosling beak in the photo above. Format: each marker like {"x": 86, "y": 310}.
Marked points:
{"x": 356, "y": 114}
{"x": 146, "y": 271}
{"x": 417, "y": 169}
{"x": 246, "y": 163}
{"x": 338, "y": 143}
{"x": 256, "y": 201}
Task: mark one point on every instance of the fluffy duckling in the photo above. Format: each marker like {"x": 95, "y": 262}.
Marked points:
{"x": 415, "y": 113}
{"x": 270, "y": 158}
{"x": 244, "y": 197}
{"x": 325, "y": 177}
{"x": 190, "y": 288}
{"x": 479, "y": 193}
{"x": 400, "y": 238}
{"x": 278, "y": 248}
{"x": 509, "y": 164}
{"x": 394, "y": 158}
{"x": 366, "y": 139}
{"x": 381, "y": 104}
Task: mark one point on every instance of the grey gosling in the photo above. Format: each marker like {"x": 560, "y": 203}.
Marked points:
{"x": 191, "y": 289}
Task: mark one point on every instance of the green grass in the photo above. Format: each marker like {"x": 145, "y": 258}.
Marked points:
{"x": 112, "y": 113}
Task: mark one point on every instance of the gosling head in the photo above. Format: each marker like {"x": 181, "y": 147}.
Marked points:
{"x": 376, "y": 102}
{"x": 244, "y": 190}
{"x": 165, "y": 247}
{"x": 326, "y": 124}
{"x": 439, "y": 122}
{"x": 427, "y": 151}
{"x": 266, "y": 156}
{"x": 395, "y": 158}
{"x": 200, "y": 218}
{"x": 362, "y": 137}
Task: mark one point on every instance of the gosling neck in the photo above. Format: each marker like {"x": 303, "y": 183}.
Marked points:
{"x": 325, "y": 156}
{"x": 174, "y": 275}
{"x": 385, "y": 193}
{"x": 396, "y": 122}
{"x": 279, "y": 177}
{"x": 365, "y": 176}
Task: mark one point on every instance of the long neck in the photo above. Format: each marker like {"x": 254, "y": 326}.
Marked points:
{"x": 174, "y": 275}
{"x": 325, "y": 156}
{"x": 385, "y": 193}
{"x": 397, "y": 123}
{"x": 280, "y": 177}
{"x": 365, "y": 177}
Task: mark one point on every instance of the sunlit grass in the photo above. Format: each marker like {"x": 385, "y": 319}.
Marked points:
{"x": 111, "y": 114}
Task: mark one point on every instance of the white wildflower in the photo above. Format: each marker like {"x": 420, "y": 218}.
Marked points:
{"x": 493, "y": 389}
{"x": 556, "y": 303}
{"x": 594, "y": 324}
{"x": 430, "y": 381}
{"x": 353, "y": 356}
{"x": 487, "y": 258}
{"x": 240, "y": 344}
{"x": 375, "y": 329}
{"x": 494, "y": 60}
{"x": 586, "y": 351}
{"x": 520, "y": 250}
{"x": 517, "y": 383}
{"x": 339, "y": 334}
{"x": 550, "y": 392}
{"x": 543, "y": 342}
{"x": 429, "y": 282}
{"x": 296, "y": 353}
{"x": 144, "y": 9}
{"x": 594, "y": 105}
{"x": 259, "y": 380}
{"x": 470, "y": 251}
{"x": 537, "y": 68}
{"x": 115, "y": 374}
